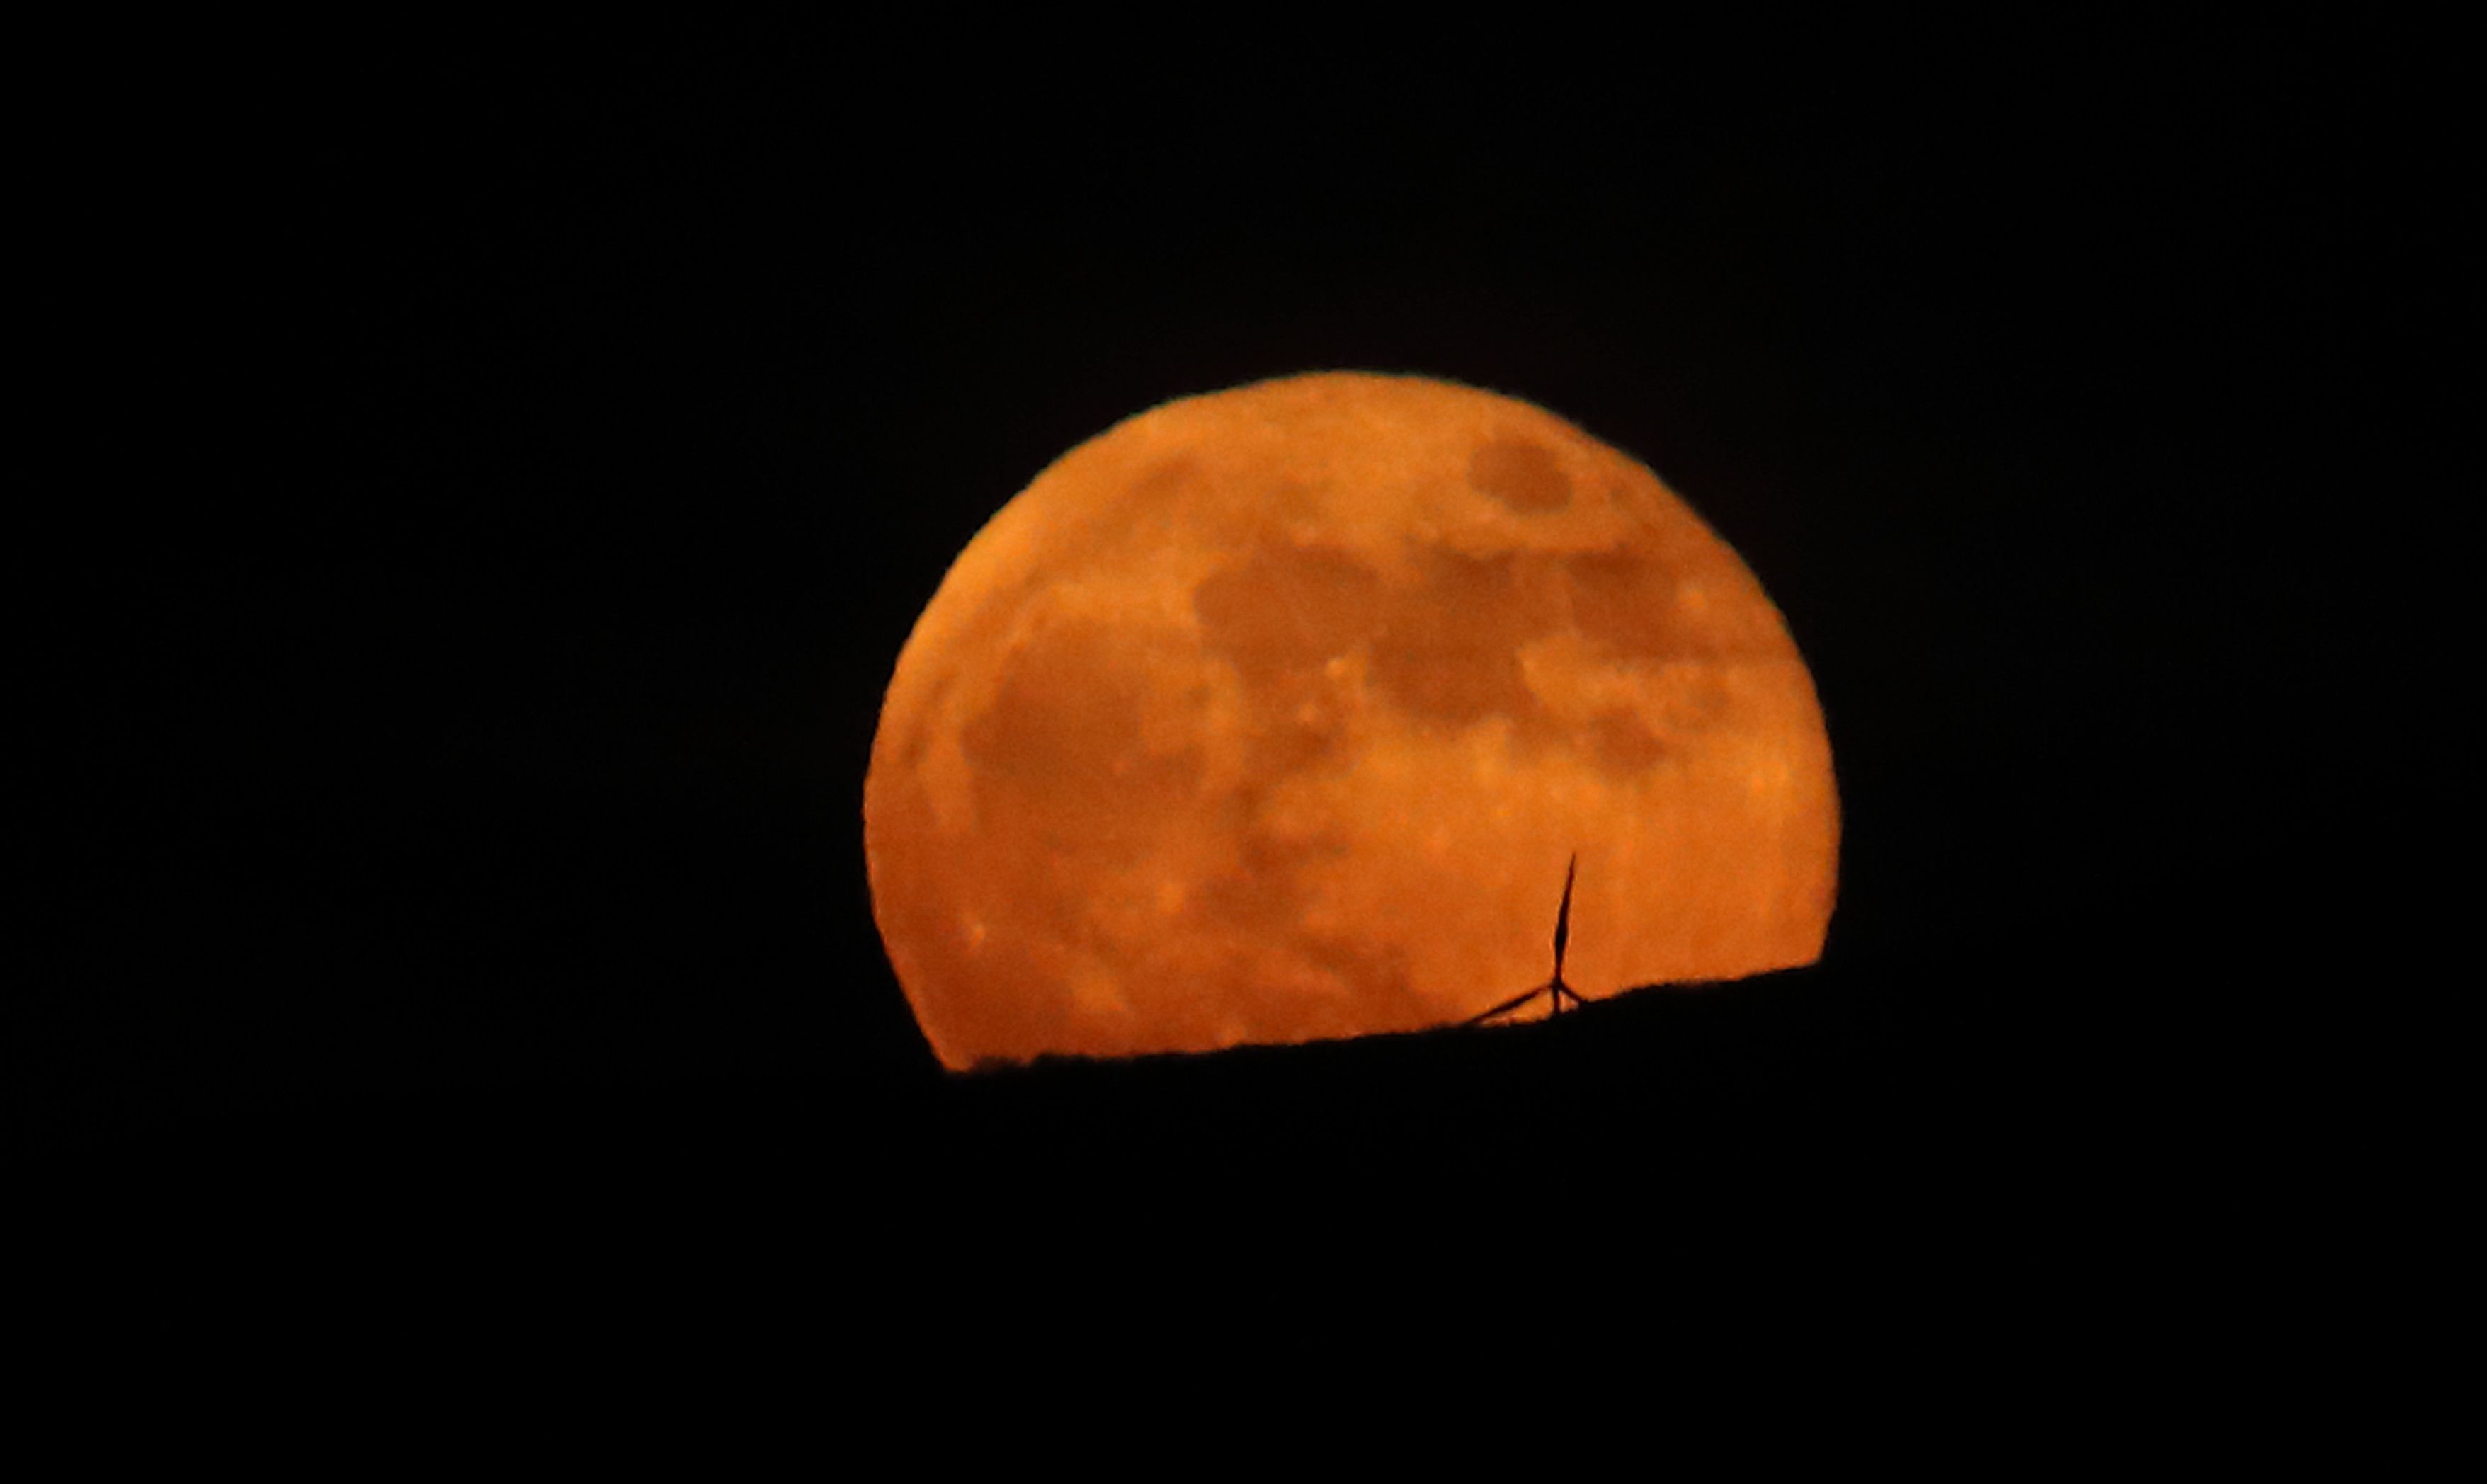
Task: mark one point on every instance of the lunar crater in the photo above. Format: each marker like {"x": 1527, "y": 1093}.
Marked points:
{"x": 1286, "y": 608}
{"x": 1521, "y": 474}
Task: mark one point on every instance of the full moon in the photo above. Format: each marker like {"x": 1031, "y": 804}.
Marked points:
{"x": 1274, "y": 715}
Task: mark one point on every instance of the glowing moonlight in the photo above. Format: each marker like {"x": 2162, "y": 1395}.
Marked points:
{"x": 1274, "y": 714}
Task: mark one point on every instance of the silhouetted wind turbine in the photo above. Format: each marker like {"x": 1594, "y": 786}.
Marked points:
{"x": 1554, "y": 989}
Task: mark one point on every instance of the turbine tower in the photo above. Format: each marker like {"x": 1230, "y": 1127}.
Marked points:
{"x": 1554, "y": 989}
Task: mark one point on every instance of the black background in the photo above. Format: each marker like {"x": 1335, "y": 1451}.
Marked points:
{"x": 525, "y": 455}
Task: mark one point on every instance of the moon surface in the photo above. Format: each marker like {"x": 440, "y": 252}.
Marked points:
{"x": 1274, "y": 714}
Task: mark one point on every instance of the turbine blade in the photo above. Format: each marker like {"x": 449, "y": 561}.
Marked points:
{"x": 1513, "y": 1003}
{"x": 1564, "y": 916}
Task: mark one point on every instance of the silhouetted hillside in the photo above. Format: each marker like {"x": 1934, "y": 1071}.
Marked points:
{"x": 2078, "y": 1119}
{"x": 1944, "y": 1067}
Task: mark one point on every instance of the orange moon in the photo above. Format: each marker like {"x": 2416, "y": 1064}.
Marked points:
{"x": 1274, "y": 714}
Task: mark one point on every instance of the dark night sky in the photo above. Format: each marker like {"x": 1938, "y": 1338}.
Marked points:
{"x": 555, "y": 439}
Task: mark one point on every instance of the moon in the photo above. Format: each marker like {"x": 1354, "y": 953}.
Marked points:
{"x": 1274, "y": 714}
